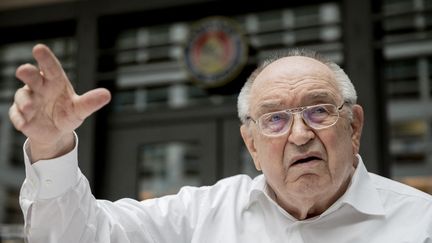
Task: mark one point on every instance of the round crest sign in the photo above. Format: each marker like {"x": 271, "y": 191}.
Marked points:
{"x": 216, "y": 51}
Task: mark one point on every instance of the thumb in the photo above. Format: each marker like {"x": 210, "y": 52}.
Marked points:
{"x": 92, "y": 101}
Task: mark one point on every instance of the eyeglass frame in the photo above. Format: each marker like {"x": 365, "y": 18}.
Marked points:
{"x": 298, "y": 110}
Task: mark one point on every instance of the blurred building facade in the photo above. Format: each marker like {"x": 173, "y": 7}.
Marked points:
{"x": 166, "y": 127}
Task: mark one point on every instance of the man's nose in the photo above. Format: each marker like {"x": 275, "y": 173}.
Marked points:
{"x": 300, "y": 133}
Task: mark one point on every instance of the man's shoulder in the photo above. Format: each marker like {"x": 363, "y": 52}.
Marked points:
{"x": 241, "y": 184}
{"x": 397, "y": 190}
{"x": 233, "y": 191}
{"x": 403, "y": 204}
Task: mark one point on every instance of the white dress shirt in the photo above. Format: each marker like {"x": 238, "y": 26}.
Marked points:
{"x": 58, "y": 207}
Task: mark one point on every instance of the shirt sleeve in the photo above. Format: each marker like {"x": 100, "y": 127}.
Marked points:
{"x": 45, "y": 183}
{"x": 51, "y": 178}
{"x": 42, "y": 182}
{"x": 58, "y": 206}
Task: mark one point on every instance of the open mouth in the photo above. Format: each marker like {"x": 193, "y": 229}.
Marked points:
{"x": 306, "y": 160}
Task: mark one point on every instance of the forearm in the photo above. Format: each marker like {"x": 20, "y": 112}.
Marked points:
{"x": 46, "y": 195}
{"x": 77, "y": 217}
{"x": 58, "y": 206}
{"x": 61, "y": 219}
{"x": 53, "y": 198}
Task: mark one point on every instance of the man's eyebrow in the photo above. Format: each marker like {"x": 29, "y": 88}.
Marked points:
{"x": 308, "y": 99}
{"x": 269, "y": 105}
{"x": 317, "y": 96}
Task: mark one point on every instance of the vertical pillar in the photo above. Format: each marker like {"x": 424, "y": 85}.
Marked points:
{"x": 363, "y": 62}
{"x": 86, "y": 35}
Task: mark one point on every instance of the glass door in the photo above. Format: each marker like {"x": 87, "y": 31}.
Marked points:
{"x": 146, "y": 162}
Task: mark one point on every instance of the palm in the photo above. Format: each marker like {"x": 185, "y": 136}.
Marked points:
{"x": 47, "y": 109}
{"x": 55, "y": 116}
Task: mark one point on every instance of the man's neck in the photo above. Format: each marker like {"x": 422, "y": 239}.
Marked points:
{"x": 308, "y": 206}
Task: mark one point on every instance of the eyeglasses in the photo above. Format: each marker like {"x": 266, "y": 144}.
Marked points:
{"x": 318, "y": 117}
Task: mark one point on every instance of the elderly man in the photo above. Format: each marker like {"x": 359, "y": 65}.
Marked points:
{"x": 300, "y": 123}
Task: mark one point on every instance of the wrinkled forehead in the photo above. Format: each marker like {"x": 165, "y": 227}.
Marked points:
{"x": 296, "y": 67}
{"x": 294, "y": 71}
{"x": 292, "y": 82}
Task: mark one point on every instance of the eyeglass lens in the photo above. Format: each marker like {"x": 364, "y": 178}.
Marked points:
{"x": 317, "y": 117}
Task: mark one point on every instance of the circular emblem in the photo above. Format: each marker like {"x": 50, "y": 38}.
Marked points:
{"x": 216, "y": 51}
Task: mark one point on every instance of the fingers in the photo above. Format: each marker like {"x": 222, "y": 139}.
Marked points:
{"x": 22, "y": 110}
{"x": 16, "y": 118}
{"x": 92, "y": 101}
{"x": 25, "y": 103}
{"x": 48, "y": 63}
{"x": 48, "y": 76}
{"x": 31, "y": 76}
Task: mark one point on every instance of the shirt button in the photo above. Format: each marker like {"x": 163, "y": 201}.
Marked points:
{"x": 48, "y": 181}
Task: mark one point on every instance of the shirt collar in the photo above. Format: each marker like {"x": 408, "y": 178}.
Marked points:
{"x": 258, "y": 188}
{"x": 361, "y": 193}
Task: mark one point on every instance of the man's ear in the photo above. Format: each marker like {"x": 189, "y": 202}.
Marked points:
{"x": 249, "y": 141}
{"x": 357, "y": 126}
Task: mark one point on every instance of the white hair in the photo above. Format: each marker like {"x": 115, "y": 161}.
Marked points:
{"x": 344, "y": 84}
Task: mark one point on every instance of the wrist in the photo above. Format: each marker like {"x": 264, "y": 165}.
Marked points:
{"x": 44, "y": 151}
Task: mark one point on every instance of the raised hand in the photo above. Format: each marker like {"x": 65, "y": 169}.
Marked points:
{"x": 47, "y": 110}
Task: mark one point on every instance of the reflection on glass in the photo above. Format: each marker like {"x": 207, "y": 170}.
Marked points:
{"x": 11, "y": 233}
{"x": 402, "y": 79}
{"x": 408, "y": 142}
{"x": 411, "y": 154}
{"x": 423, "y": 183}
{"x": 165, "y": 167}
{"x": 430, "y": 75}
